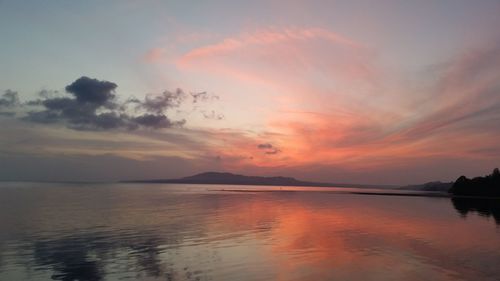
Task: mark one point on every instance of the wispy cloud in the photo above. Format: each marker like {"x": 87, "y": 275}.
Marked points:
{"x": 277, "y": 55}
{"x": 330, "y": 109}
{"x": 463, "y": 113}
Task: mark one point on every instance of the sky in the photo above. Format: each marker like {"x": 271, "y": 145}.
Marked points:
{"x": 375, "y": 92}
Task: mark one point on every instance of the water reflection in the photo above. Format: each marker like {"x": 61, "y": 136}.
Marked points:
{"x": 69, "y": 258}
{"x": 85, "y": 257}
{"x": 168, "y": 233}
{"x": 483, "y": 207}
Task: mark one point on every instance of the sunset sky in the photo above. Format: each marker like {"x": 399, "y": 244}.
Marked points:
{"x": 376, "y": 92}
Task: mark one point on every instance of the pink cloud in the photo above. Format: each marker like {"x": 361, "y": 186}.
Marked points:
{"x": 263, "y": 38}
{"x": 332, "y": 109}
{"x": 276, "y": 56}
{"x": 462, "y": 122}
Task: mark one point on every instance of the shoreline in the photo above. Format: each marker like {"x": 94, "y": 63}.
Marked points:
{"x": 337, "y": 192}
{"x": 423, "y": 194}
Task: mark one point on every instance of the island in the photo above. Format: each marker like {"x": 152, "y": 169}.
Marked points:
{"x": 434, "y": 186}
{"x": 235, "y": 179}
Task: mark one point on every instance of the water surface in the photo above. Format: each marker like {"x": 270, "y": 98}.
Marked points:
{"x": 200, "y": 232}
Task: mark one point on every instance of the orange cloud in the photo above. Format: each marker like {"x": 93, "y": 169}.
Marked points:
{"x": 323, "y": 99}
{"x": 456, "y": 122}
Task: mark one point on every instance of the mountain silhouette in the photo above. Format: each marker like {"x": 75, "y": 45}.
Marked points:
{"x": 430, "y": 186}
{"x": 229, "y": 178}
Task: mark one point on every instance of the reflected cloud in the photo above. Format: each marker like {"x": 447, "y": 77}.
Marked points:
{"x": 69, "y": 258}
{"x": 85, "y": 257}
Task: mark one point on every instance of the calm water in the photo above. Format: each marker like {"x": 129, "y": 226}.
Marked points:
{"x": 196, "y": 232}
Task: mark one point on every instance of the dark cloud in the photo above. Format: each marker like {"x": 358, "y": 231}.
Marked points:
{"x": 45, "y": 116}
{"x": 159, "y": 103}
{"x": 9, "y": 99}
{"x": 43, "y": 95}
{"x": 268, "y": 148}
{"x": 34, "y": 102}
{"x": 94, "y": 107}
{"x": 78, "y": 114}
{"x": 265, "y": 146}
{"x": 91, "y": 104}
{"x": 62, "y": 104}
{"x": 108, "y": 120}
{"x": 156, "y": 121}
{"x": 203, "y": 97}
{"x": 92, "y": 91}
{"x": 7, "y": 113}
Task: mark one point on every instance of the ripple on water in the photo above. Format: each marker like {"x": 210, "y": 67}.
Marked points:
{"x": 130, "y": 232}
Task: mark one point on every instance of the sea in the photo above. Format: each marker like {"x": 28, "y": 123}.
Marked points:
{"x": 122, "y": 231}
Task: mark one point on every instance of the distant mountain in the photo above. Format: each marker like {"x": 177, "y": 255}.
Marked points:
{"x": 487, "y": 186}
{"x": 229, "y": 178}
{"x": 430, "y": 186}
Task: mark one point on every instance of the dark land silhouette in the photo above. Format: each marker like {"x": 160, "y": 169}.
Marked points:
{"x": 430, "y": 186}
{"x": 235, "y": 179}
{"x": 487, "y": 186}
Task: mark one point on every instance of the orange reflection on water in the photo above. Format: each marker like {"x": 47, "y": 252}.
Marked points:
{"x": 323, "y": 239}
{"x": 199, "y": 233}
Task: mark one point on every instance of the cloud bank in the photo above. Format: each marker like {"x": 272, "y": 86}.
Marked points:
{"x": 91, "y": 104}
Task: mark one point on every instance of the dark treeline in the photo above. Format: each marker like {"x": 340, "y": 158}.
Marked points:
{"x": 488, "y": 186}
